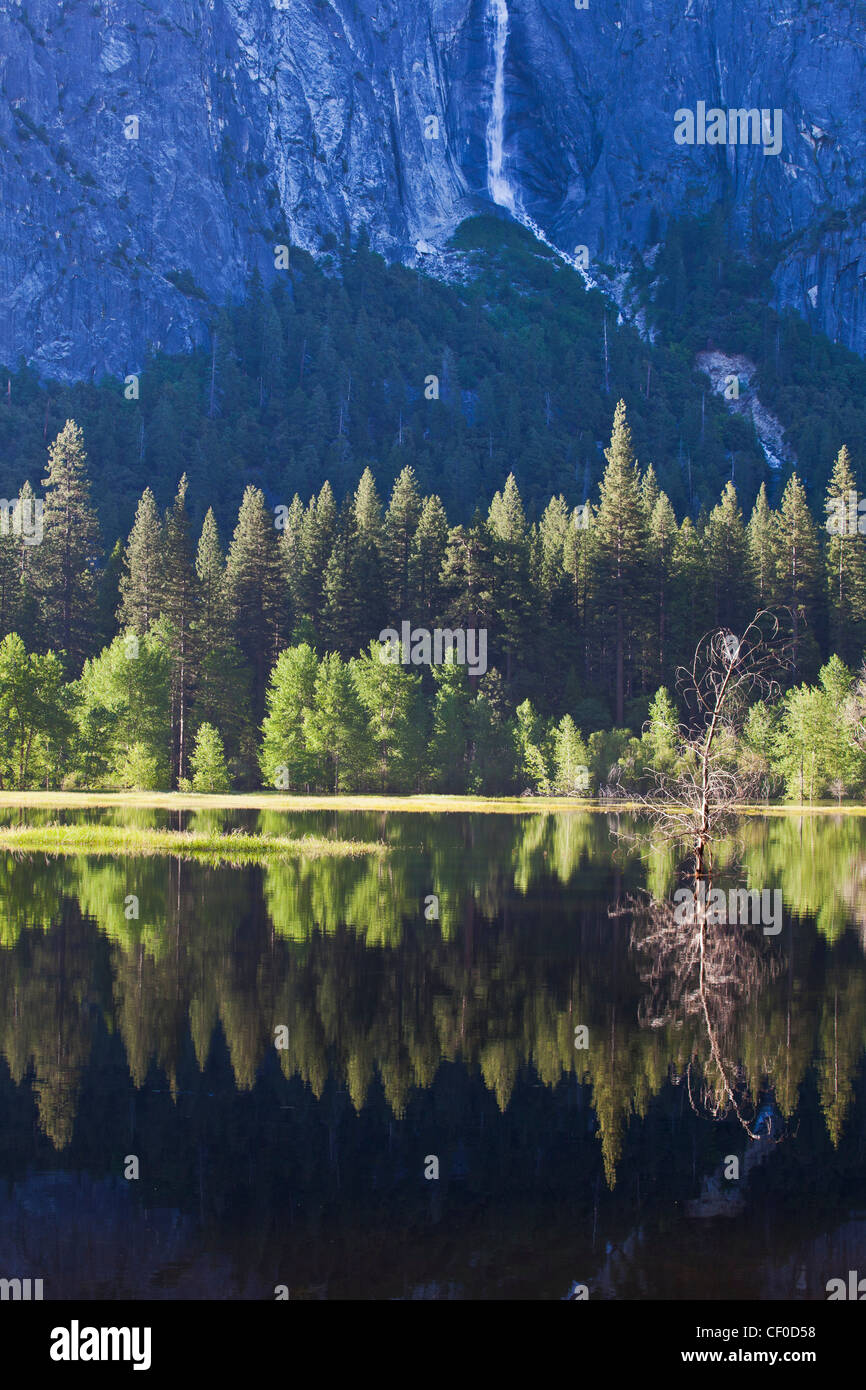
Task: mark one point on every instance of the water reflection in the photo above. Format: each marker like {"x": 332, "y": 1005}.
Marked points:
{"x": 411, "y": 1035}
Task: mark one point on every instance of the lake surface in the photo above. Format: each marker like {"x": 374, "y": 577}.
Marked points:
{"x": 413, "y": 1037}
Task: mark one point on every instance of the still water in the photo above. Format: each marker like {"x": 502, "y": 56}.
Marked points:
{"x": 707, "y": 1141}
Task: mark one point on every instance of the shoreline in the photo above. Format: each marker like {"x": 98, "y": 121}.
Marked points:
{"x": 423, "y": 803}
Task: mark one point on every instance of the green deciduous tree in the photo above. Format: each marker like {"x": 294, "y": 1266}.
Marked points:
{"x": 34, "y": 727}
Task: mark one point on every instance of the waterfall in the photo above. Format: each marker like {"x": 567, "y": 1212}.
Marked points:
{"x": 498, "y": 185}
{"x": 500, "y": 189}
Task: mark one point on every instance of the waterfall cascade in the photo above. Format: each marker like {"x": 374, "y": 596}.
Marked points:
{"x": 500, "y": 189}
{"x": 498, "y": 184}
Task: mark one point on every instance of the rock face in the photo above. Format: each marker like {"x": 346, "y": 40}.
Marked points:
{"x": 266, "y": 121}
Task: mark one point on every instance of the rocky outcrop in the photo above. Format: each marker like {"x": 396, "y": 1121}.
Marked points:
{"x": 263, "y": 121}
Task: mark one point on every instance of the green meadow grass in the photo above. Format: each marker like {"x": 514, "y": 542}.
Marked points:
{"x": 234, "y": 847}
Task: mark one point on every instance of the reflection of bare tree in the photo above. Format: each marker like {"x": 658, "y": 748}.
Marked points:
{"x": 699, "y": 968}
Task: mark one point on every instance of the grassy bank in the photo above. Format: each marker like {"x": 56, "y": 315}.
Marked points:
{"x": 275, "y": 801}
{"x": 232, "y": 848}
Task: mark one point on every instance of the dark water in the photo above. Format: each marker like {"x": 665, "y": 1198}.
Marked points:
{"x": 413, "y": 1038}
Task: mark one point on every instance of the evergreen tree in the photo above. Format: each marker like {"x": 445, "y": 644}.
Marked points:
{"x": 222, "y": 695}
{"x": 209, "y": 771}
{"x": 845, "y": 563}
{"x": 533, "y": 761}
{"x": 65, "y": 580}
{"x": 343, "y": 619}
{"x": 256, "y": 592}
{"x": 762, "y": 542}
{"x": 336, "y": 726}
{"x": 579, "y": 562}
{"x": 429, "y": 547}
{"x": 179, "y": 599}
{"x": 368, "y": 572}
{"x": 692, "y": 598}
{"x": 494, "y": 771}
{"x": 570, "y": 759}
{"x": 661, "y": 734}
{"x": 401, "y": 523}
{"x": 10, "y": 582}
{"x": 727, "y": 555}
{"x": 510, "y": 599}
{"x": 449, "y": 754}
{"x": 619, "y": 581}
{"x": 798, "y": 574}
{"x": 317, "y": 543}
{"x": 467, "y": 577}
{"x": 661, "y": 547}
{"x": 291, "y": 549}
{"x": 391, "y": 697}
{"x": 287, "y": 762}
{"x": 142, "y": 577}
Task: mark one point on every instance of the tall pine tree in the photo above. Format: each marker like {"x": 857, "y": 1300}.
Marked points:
{"x": 65, "y": 580}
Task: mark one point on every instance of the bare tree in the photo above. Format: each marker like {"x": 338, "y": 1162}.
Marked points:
{"x": 694, "y": 804}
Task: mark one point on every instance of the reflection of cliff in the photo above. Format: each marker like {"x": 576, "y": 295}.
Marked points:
{"x": 794, "y": 1264}
{"x": 374, "y": 995}
{"x": 90, "y": 1239}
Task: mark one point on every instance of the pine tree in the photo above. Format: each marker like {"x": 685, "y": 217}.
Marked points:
{"x": 727, "y": 555}
{"x": 10, "y": 582}
{"x": 762, "y": 542}
{"x": 391, "y": 697}
{"x": 222, "y": 695}
{"x": 467, "y": 576}
{"x": 661, "y": 734}
{"x": 141, "y": 580}
{"x": 342, "y": 618}
{"x": 506, "y": 523}
{"x": 449, "y": 753}
{"x": 65, "y": 580}
{"x": 317, "y": 543}
{"x": 845, "y": 563}
{"x": 401, "y": 523}
{"x": 368, "y": 571}
{"x": 619, "y": 581}
{"x": 570, "y": 759}
{"x": 209, "y": 771}
{"x": 494, "y": 762}
{"x": 691, "y": 595}
{"x": 27, "y": 617}
{"x": 579, "y": 562}
{"x": 286, "y": 760}
{"x": 255, "y": 587}
{"x": 291, "y": 550}
{"x": 178, "y": 603}
{"x": 798, "y": 575}
{"x": 661, "y": 547}
{"x": 429, "y": 547}
{"x": 336, "y": 726}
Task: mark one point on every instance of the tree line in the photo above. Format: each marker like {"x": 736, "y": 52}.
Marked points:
{"x": 172, "y": 662}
